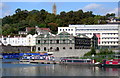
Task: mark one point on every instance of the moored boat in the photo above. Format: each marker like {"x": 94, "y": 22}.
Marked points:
{"x": 111, "y": 63}
{"x": 78, "y": 62}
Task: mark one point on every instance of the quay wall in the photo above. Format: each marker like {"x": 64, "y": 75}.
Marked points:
{"x": 71, "y": 53}
{"x": 62, "y": 50}
{"x": 15, "y": 48}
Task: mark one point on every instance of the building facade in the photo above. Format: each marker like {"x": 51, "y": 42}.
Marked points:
{"x": 107, "y": 34}
{"x": 62, "y": 41}
{"x": 28, "y": 40}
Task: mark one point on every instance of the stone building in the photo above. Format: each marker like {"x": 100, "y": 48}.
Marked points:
{"x": 63, "y": 42}
{"x": 9, "y": 48}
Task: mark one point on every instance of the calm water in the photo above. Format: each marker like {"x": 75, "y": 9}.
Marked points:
{"x": 9, "y": 69}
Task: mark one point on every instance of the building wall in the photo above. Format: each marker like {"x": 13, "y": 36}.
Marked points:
{"x": 29, "y": 40}
{"x": 15, "y": 48}
{"x": 108, "y": 33}
{"x": 71, "y": 30}
{"x": 63, "y": 44}
{"x": 71, "y": 53}
{"x": 54, "y": 47}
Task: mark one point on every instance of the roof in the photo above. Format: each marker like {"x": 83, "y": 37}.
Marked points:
{"x": 102, "y": 26}
{"x": 64, "y": 33}
{"x": 45, "y": 29}
{"x": 82, "y": 36}
{"x": 30, "y": 28}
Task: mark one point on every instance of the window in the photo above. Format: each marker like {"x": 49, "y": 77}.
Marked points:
{"x": 63, "y": 47}
{"x": 63, "y": 41}
{"x": 38, "y": 48}
{"x": 44, "y": 41}
{"x": 69, "y": 60}
{"x": 66, "y": 29}
{"x": 57, "y": 49}
{"x": 44, "y": 48}
{"x": 60, "y": 29}
{"x": 70, "y": 41}
{"x": 70, "y": 47}
{"x": 57, "y": 41}
{"x": 63, "y": 29}
{"x": 78, "y": 60}
{"x": 50, "y": 41}
{"x": 51, "y": 48}
{"x": 38, "y": 41}
{"x": 4, "y": 38}
{"x": 71, "y": 29}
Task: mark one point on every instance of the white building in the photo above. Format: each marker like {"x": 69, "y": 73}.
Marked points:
{"x": 29, "y": 40}
{"x": 107, "y": 34}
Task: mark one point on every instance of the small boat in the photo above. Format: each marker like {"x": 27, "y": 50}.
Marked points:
{"x": 78, "y": 62}
{"x": 111, "y": 63}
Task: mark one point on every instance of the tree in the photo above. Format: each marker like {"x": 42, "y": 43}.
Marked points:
{"x": 23, "y": 18}
{"x": 53, "y": 27}
{"x": 32, "y": 32}
{"x": 110, "y": 15}
{"x": 18, "y": 10}
{"x": 93, "y": 51}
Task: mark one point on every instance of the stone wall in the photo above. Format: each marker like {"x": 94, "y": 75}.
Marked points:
{"x": 71, "y": 53}
{"x": 15, "y": 48}
{"x": 67, "y": 52}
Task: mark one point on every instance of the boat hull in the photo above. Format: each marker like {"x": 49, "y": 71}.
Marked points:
{"x": 110, "y": 65}
{"x": 81, "y": 64}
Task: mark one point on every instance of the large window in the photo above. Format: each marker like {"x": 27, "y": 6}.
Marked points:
{"x": 70, "y": 47}
{"x": 38, "y": 48}
{"x": 57, "y": 41}
{"x": 63, "y": 47}
{"x": 63, "y": 41}
{"x": 69, "y": 60}
{"x": 44, "y": 48}
{"x": 44, "y": 41}
{"x": 70, "y": 41}
{"x": 57, "y": 49}
{"x": 38, "y": 41}
{"x": 50, "y": 41}
{"x": 51, "y": 48}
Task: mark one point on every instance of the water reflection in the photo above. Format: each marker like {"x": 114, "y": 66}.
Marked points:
{"x": 58, "y": 70}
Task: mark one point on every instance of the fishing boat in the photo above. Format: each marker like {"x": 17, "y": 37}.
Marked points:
{"x": 78, "y": 62}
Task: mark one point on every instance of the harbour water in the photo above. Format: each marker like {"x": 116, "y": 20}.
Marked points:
{"x": 16, "y": 69}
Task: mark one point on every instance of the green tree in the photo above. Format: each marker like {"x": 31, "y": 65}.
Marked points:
{"x": 32, "y": 32}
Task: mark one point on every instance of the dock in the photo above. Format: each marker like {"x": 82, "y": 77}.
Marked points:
{"x": 39, "y": 62}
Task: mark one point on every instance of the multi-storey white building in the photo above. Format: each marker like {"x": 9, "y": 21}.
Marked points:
{"x": 29, "y": 40}
{"x": 107, "y": 34}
